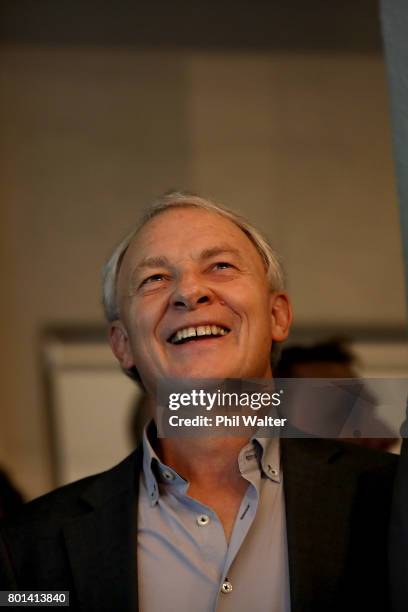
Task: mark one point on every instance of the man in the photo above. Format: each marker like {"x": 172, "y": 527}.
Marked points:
{"x": 200, "y": 524}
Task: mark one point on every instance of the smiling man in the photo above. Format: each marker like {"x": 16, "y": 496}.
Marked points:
{"x": 189, "y": 268}
{"x": 207, "y": 523}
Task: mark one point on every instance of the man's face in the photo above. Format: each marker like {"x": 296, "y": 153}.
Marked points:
{"x": 194, "y": 273}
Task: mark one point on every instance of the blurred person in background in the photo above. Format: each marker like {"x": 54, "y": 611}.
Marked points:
{"x": 331, "y": 359}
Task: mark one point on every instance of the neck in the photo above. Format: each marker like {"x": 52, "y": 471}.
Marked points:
{"x": 204, "y": 462}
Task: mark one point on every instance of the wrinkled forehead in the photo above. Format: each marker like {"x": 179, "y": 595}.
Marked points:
{"x": 189, "y": 232}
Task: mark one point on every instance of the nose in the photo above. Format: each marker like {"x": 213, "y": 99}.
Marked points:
{"x": 190, "y": 292}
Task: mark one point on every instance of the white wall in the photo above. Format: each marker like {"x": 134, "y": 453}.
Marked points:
{"x": 300, "y": 143}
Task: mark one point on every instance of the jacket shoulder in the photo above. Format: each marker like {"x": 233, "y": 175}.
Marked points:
{"x": 349, "y": 454}
{"x": 33, "y": 545}
{"x": 70, "y": 500}
{"x": 369, "y": 458}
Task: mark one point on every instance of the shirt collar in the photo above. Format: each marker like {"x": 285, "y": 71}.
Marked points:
{"x": 155, "y": 472}
{"x": 270, "y": 457}
{"x": 264, "y": 450}
{"x": 261, "y": 454}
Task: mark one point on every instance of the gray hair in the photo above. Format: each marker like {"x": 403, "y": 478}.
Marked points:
{"x": 168, "y": 201}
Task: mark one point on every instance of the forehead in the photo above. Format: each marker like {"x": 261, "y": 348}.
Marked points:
{"x": 186, "y": 232}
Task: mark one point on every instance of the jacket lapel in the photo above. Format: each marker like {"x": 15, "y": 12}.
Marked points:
{"x": 317, "y": 492}
{"x": 102, "y": 542}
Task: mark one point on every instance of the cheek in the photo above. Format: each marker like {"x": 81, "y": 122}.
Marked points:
{"x": 143, "y": 324}
{"x": 137, "y": 325}
{"x": 250, "y": 307}
{"x": 261, "y": 319}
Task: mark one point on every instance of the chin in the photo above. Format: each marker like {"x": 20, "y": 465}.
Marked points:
{"x": 204, "y": 372}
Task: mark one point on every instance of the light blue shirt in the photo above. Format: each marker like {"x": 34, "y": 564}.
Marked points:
{"x": 185, "y": 563}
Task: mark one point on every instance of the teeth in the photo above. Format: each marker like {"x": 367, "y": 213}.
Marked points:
{"x": 201, "y": 330}
{"x": 178, "y": 336}
{"x": 191, "y": 332}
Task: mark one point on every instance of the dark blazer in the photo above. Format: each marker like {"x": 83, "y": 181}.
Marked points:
{"x": 82, "y": 537}
{"x": 10, "y": 497}
{"x": 399, "y": 533}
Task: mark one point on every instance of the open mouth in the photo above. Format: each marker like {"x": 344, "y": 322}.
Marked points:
{"x": 194, "y": 334}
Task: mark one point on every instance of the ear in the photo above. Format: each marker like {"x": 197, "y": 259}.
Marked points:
{"x": 120, "y": 345}
{"x": 281, "y": 316}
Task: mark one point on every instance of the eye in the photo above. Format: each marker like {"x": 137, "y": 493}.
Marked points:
{"x": 222, "y": 265}
{"x": 154, "y": 278}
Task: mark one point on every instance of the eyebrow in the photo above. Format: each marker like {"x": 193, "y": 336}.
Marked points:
{"x": 219, "y": 250}
{"x": 161, "y": 261}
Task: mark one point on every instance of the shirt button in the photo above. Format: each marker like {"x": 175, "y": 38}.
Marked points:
{"x": 168, "y": 475}
{"x": 203, "y": 520}
{"x": 226, "y": 587}
{"x": 272, "y": 470}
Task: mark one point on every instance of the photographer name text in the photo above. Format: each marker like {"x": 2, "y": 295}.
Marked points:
{"x": 237, "y": 420}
